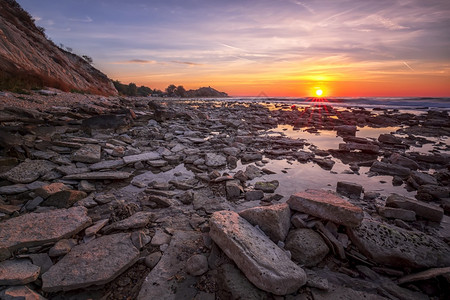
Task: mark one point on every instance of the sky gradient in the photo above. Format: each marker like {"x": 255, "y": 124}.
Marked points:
{"x": 246, "y": 47}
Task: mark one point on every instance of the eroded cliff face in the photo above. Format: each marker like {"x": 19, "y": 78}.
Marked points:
{"x": 29, "y": 59}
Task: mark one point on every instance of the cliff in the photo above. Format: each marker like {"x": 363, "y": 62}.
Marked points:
{"x": 29, "y": 60}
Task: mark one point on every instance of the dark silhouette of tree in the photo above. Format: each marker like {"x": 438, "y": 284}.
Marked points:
{"x": 132, "y": 89}
{"x": 88, "y": 59}
{"x": 180, "y": 91}
{"x": 170, "y": 90}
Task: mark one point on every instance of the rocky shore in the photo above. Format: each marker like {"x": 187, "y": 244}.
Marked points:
{"x": 137, "y": 198}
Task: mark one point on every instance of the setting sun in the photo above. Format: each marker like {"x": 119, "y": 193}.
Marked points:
{"x": 319, "y": 92}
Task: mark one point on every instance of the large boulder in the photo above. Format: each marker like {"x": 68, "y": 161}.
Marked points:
{"x": 261, "y": 260}
{"x": 422, "y": 209}
{"x": 389, "y": 169}
{"x": 326, "y": 205}
{"x": 29, "y": 171}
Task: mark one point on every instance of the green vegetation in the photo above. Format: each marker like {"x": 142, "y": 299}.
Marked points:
{"x": 131, "y": 89}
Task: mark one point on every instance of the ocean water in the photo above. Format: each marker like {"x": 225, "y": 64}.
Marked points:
{"x": 406, "y": 103}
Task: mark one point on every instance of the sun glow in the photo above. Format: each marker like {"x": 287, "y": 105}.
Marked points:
{"x": 319, "y": 92}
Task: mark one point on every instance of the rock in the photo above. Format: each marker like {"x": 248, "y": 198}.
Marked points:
{"x": 233, "y": 189}
{"x": 424, "y": 275}
{"x": 16, "y": 272}
{"x": 50, "y": 189}
{"x": 20, "y": 293}
{"x": 197, "y": 265}
{"x": 152, "y": 260}
{"x": 107, "y": 164}
{"x": 64, "y": 199}
{"x": 249, "y": 157}
{"x": 397, "y": 213}
{"x": 96, "y": 227}
{"x": 13, "y": 189}
{"x": 158, "y": 163}
{"x": 274, "y": 220}
{"x": 307, "y": 246}
{"x": 389, "y": 169}
{"x": 234, "y": 285}
{"x": 403, "y": 161}
{"x": 140, "y": 239}
{"x": 29, "y": 171}
{"x": 389, "y": 139}
{"x": 105, "y": 121}
{"x": 393, "y": 246}
{"x": 433, "y": 191}
{"x": 324, "y": 163}
{"x": 160, "y": 238}
{"x": 328, "y": 206}
{"x": 9, "y": 209}
{"x": 422, "y": 209}
{"x": 138, "y": 220}
{"x": 36, "y": 229}
{"x": 32, "y": 204}
{"x": 215, "y": 160}
{"x": 349, "y": 189}
{"x": 369, "y": 148}
{"x": 261, "y": 260}
{"x": 423, "y": 178}
{"x": 114, "y": 175}
{"x": 168, "y": 279}
{"x": 95, "y": 263}
{"x": 89, "y": 153}
{"x": 41, "y": 260}
{"x": 254, "y": 195}
{"x": 62, "y": 247}
{"x": 343, "y": 293}
{"x": 131, "y": 159}
{"x": 267, "y": 186}
{"x": 345, "y": 129}
{"x": 251, "y": 172}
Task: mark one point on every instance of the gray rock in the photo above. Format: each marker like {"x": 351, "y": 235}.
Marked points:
{"x": 389, "y": 169}
{"x": 328, "y": 206}
{"x": 95, "y": 263}
{"x": 397, "y": 213}
{"x": 422, "y": 209}
{"x": 138, "y": 220}
{"x": 152, "y": 260}
{"x": 131, "y": 159}
{"x": 267, "y": 186}
{"x": 252, "y": 172}
{"x": 62, "y": 247}
{"x": 394, "y": 246}
{"x": 107, "y": 164}
{"x": 349, "y": 189}
{"x": 41, "y": 260}
{"x": 89, "y": 153}
{"x": 423, "y": 178}
{"x": 215, "y": 160}
{"x": 249, "y": 157}
{"x": 254, "y": 195}
{"x": 160, "y": 238}
{"x": 274, "y": 220}
{"x": 389, "y": 139}
{"x": 197, "y": 265}
{"x": 343, "y": 293}
{"x": 307, "y": 246}
{"x": 261, "y": 260}
{"x": 173, "y": 263}
{"x": 20, "y": 293}
{"x": 233, "y": 189}
{"x": 96, "y": 227}
{"x": 29, "y": 171}
{"x": 18, "y": 271}
{"x": 433, "y": 191}
{"x": 99, "y": 175}
{"x": 13, "y": 189}
{"x": 403, "y": 161}
{"x": 36, "y": 229}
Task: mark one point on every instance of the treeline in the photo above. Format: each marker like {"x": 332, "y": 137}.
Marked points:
{"x": 172, "y": 90}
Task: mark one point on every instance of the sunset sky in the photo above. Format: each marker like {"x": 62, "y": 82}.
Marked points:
{"x": 245, "y": 47}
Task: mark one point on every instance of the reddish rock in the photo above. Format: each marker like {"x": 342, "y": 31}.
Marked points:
{"x": 50, "y": 189}
{"x": 64, "y": 199}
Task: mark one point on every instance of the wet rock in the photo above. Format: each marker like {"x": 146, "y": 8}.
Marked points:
{"x": 234, "y": 285}
{"x": 215, "y": 160}
{"x": 64, "y": 199}
{"x": 114, "y": 175}
{"x": 20, "y": 293}
{"x": 328, "y": 206}
{"x": 89, "y": 153}
{"x": 51, "y": 189}
{"x": 349, "y": 189}
{"x": 422, "y": 178}
{"x": 262, "y": 261}
{"x": 138, "y": 220}
{"x": 324, "y": 163}
{"x": 389, "y": 139}
{"x": 251, "y": 172}
{"x": 345, "y": 129}
{"x": 250, "y": 157}
{"x": 267, "y": 186}
{"x": 168, "y": 279}
{"x": 422, "y": 209}
{"x": 389, "y": 169}
{"x": 393, "y": 246}
{"x": 29, "y": 171}
{"x": 36, "y": 229}
{"x": 197, "y": 265}
{"x": 403, "y": 161}
{"x": 131, "y": 159}
{"x": 95, "y": 263}
{"x": 18, "y": 271}
{"x": 62, "y": 247}
{"x": 274, "y": 220}
{"x": 397, "y": 213}
{"x": 254, "y": 195}
{"x": 433, "y": 192}
{"x": 369, "y": 148}
{"x": 307, "y": 246}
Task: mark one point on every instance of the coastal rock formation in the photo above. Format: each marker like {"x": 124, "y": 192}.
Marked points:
{"x": 26, "y": 55}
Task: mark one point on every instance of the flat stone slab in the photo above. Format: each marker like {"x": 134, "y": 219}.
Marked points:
{"x": 20, "y": 292}
{"x": 215, "y": 160}
{"x": 99, "y": 175}
{"x": 161, "y": 282}
{"x": 107, "y": 164}
{"x": 29, "y": 171}
{"x": 89, "y": 153}
{"x": 138, "y": 220}
{"x": 422, "y": 209}
{"x": 390, "y": 245}
{"x": 141, "y": 157}
{"x": 35, "y": 229}
{"x": 95, "y": 263}
{"x": 264, "y": 264}
{"x": 20, "y": 271}
{"x": 389, "y": 169}
{"x": 326, "y": 205}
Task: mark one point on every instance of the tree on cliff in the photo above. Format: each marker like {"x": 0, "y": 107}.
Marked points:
{"x": 170, "y": 90}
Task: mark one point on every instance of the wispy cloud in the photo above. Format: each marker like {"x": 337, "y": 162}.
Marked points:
{"x": 408, "y": 66}
{"x": 136, "y": 61}
{"x": 86, "y": 19}
{"x": 185, "y": 63}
